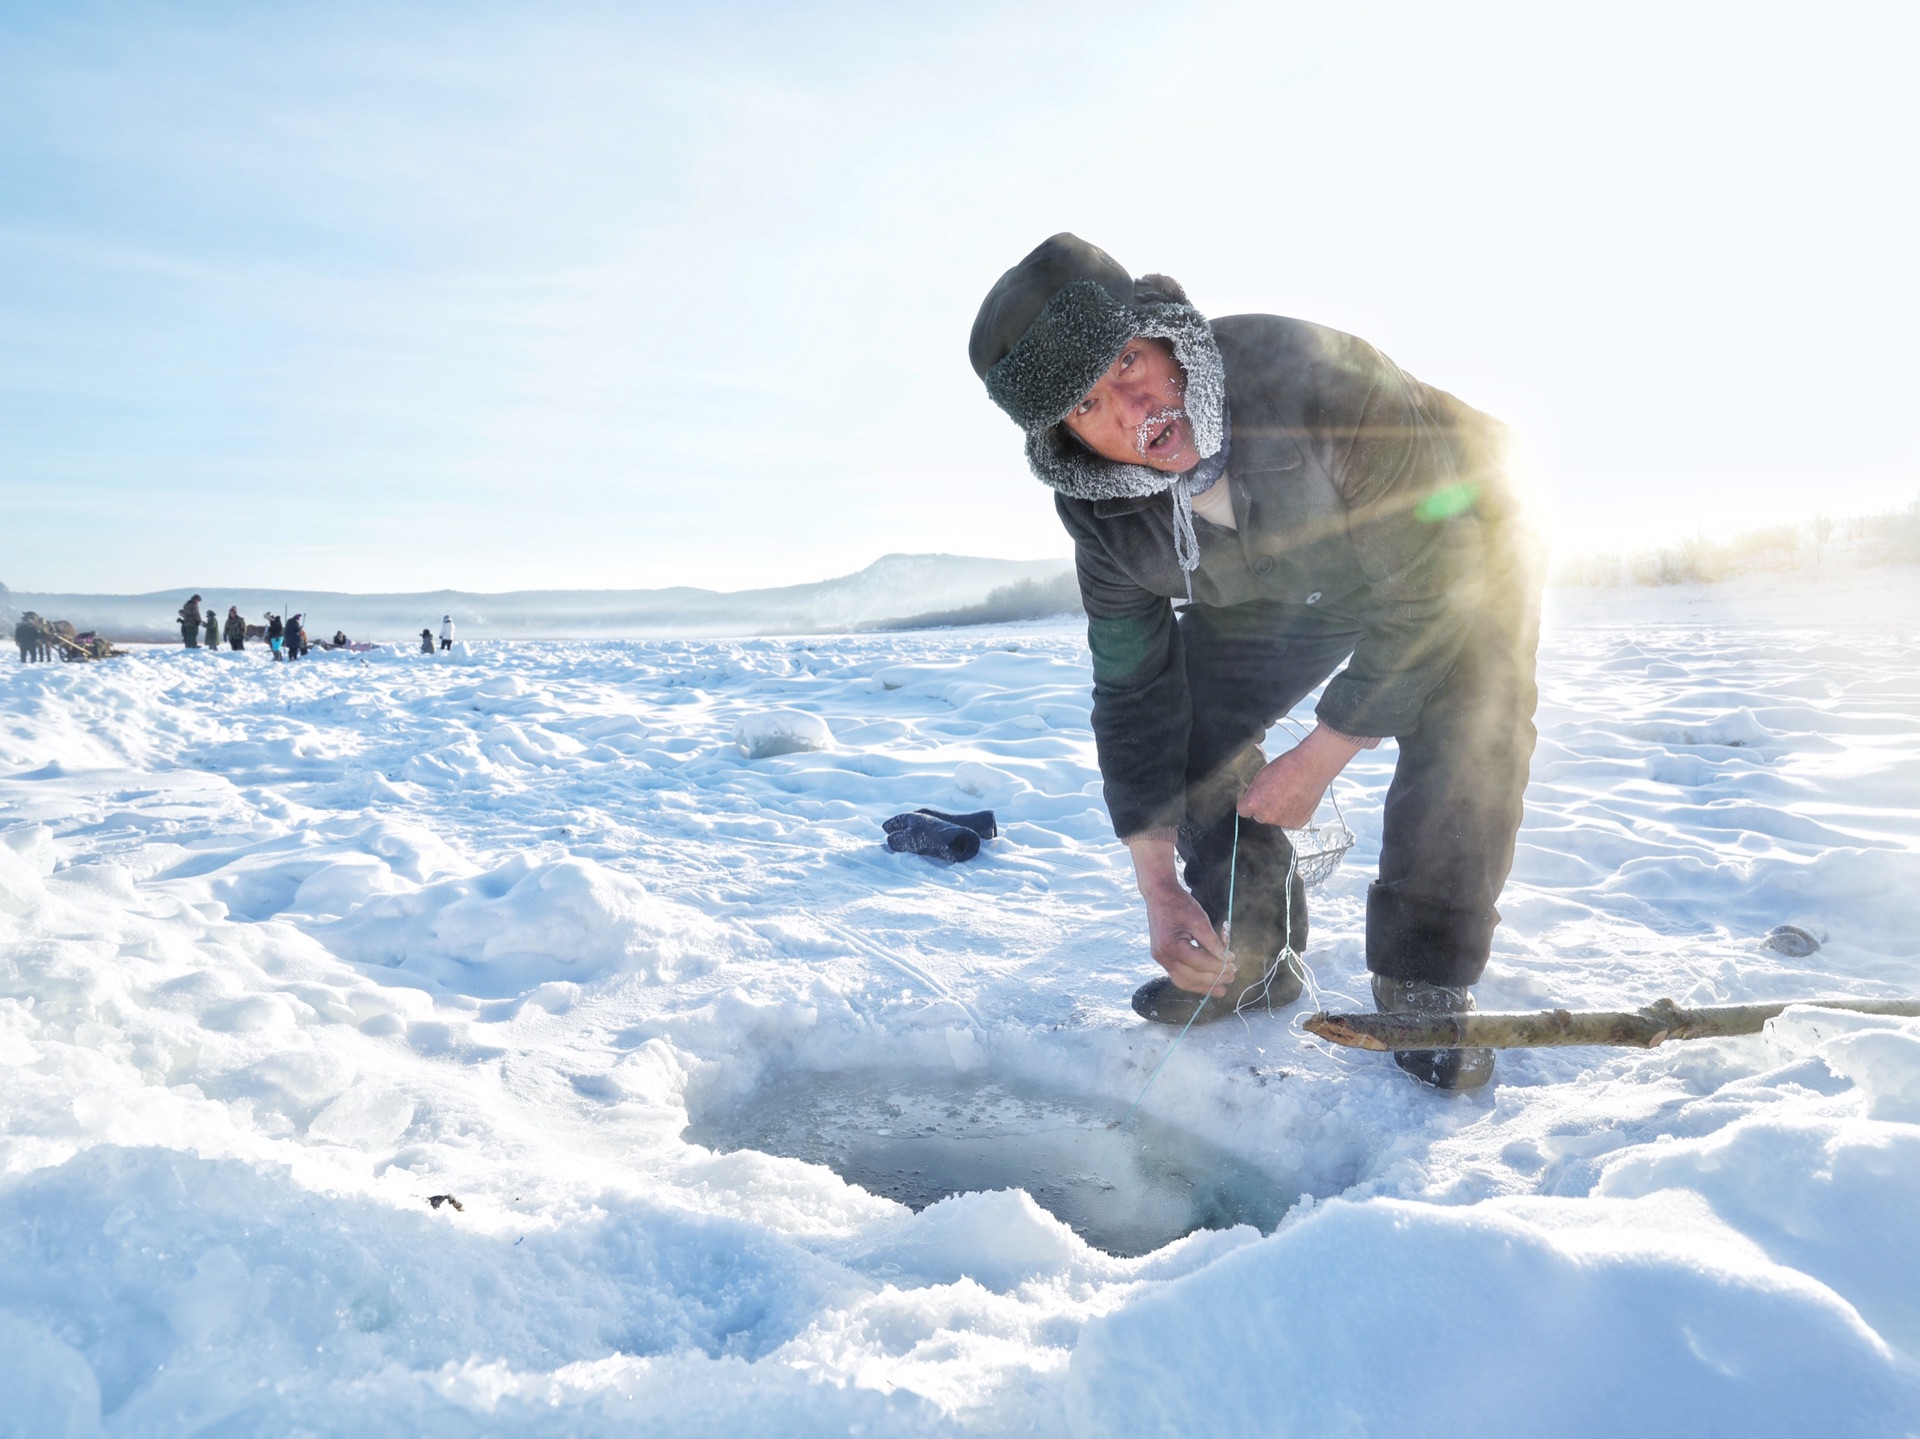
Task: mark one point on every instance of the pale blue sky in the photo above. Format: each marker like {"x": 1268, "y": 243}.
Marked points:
{"x": 385, "y": 297}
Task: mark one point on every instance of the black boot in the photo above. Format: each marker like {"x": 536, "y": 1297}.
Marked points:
{"x": 1441, "y": 1068}
{"x": 980, "y": 821}
{"x": 935, "y": 838}
{"x": 1269, "y": 916}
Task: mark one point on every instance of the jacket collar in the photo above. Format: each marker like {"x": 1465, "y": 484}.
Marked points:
{"x": 1108, "y": 509}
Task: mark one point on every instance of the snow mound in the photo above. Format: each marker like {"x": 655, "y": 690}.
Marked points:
{"x": 776, "y": 732}
{"x": 1592, "y": 1317}
{"x": 526, "y": 924}
{"x": 1737, "y": 729}
{"x": 218, "y": 1273}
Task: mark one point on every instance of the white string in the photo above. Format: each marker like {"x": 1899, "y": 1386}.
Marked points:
{"x": 1186, "y": 543}
{"x": 1233, "y": 863}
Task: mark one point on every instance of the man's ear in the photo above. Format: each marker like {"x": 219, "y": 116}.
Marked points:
{"x": 1162, "y": 289}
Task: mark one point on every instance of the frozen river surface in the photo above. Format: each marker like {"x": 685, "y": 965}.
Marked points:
{"x": 288, "y": 952}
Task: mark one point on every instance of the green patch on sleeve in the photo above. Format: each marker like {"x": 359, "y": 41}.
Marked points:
{"x": 1119, "y": 646}
{"x": 1444, "y": 504}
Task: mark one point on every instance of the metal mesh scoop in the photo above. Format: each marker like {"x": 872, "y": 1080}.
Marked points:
{"x": 1318, "y": 850}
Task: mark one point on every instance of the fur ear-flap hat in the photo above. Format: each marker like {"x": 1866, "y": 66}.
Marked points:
{"x": 1051, "y": 326}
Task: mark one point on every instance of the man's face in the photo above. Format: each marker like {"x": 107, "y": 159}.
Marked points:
{"x": 1135, "y": 413}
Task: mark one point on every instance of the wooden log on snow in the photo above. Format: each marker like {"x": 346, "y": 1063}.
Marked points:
{"x": 1636, "y": 1029}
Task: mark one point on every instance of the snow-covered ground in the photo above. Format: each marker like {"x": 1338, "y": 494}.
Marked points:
{"x": 287, "y": 951}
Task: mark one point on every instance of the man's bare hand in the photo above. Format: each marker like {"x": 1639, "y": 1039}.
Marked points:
{"x": 1182, "y": 936}
{"x": 1184, "y": 943}
{"x": 1290, "y": 788}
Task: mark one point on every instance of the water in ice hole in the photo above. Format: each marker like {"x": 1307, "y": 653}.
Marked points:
{"x": 920, "y": 1139}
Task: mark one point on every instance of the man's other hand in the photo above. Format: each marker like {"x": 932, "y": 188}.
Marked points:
{"x": 1289, "y": 789}
{"x": 1183, "y": 940}
{"x": 1185, "y": 945}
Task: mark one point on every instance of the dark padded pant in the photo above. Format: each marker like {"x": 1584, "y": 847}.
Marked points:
{"x": 1452, "y": 811}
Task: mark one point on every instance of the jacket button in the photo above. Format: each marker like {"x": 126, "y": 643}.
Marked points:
{"x": 1314, "y": 598}
{"x": 1263, "y": 566}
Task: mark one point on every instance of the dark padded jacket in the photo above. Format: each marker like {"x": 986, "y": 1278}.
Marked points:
{"x": 1368, "y": 499}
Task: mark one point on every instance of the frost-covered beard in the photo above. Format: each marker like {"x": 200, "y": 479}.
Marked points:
{"x": 1152, "y": 425}
{"x": 1062, "y": 463}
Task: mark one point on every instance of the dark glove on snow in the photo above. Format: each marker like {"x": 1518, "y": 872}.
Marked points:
{"x": 980, "y": 821}
{"x": 935, "y": 838}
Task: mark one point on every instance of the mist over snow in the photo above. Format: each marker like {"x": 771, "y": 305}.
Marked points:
{"x": 892, "y": 588}
{"x": 289, "y": 952}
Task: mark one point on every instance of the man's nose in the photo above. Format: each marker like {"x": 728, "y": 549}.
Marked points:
{"x": 1139, "y": 399}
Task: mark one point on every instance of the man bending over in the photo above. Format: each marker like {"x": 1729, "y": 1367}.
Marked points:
{"x": 1309, "y": 506}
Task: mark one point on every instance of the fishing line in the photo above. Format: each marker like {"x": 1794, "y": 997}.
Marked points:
{"x": 1233, "y": 866}
{"x": 1322, "y": 863}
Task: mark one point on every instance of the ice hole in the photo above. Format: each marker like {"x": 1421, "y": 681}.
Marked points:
{"x": 1127, "y": 1190}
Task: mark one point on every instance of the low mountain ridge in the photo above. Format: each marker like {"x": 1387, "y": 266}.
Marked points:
{"x": 892, "y": 586}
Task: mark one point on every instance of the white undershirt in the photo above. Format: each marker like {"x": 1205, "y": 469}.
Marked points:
{"x": 1216, "y": 505}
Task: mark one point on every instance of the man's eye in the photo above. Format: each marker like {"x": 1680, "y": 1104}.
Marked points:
{"x": 1127, "y": 358}
{"x": 1083, "y": 407}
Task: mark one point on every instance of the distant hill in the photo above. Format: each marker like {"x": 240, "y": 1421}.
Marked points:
{"x": 1021, "y": 600}
{"x": 890, "y": 587}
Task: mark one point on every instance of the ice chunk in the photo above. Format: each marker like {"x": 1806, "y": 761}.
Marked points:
{"x": 1885, "y": 1063}
{"x": 774, "y": 732}
{"x": 50, "y": 1388}
{"x": 26, "y": 859}
{"x": 365, "y": 1117}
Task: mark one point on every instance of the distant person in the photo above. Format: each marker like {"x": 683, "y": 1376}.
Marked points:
{"x": 340, "y": 640}
{"x": 190, "y": 623}
{"x": 446, "y": 632}
{"x": 294, "y": 642}
{"x": 213, "y": 630}
{"x": 236, "y": 628}
{"x": 276, "y": 636}
{"x": 426, "y": 641}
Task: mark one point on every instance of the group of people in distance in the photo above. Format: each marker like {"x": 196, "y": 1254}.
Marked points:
{"x": 286, "y": 638}
{"x": 201, "y": 628}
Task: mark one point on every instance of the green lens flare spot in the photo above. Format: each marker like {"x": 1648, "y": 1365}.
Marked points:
{"x": 1445, "y": 504}
{"x": 1119, "y": 647}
